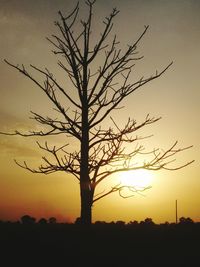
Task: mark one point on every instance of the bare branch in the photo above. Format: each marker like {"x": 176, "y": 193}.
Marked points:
{"x": 120, "y": 188}
{"x": 107, "y": 30}
{"x": 120, "y": 94}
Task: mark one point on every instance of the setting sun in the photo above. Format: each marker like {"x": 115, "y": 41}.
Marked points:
{"x": 138, "y": 178}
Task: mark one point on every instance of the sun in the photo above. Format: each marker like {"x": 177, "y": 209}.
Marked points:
{"x": 138, "y": 178}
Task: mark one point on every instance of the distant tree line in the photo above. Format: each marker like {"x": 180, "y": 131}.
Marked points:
{"x": 29, "y": 220}
{"x": 26, "y": 219}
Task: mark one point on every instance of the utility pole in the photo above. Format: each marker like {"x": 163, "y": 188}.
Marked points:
{"x": 176, "y": 209}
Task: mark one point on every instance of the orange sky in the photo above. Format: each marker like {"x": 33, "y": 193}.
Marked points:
{"x": 174, "y": 35}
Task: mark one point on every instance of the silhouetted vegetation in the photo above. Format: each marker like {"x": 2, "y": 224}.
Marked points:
{"x": 26, "y": 219}
{"x": 46, "y": 242}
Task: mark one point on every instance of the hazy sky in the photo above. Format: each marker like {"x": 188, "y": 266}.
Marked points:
{"x": 174, "y": 35}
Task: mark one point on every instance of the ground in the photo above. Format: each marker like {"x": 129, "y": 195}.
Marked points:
{"x": 101, "y": 245}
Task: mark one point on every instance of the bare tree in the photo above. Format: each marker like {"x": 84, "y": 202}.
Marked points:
{"x": 103, "y": 152}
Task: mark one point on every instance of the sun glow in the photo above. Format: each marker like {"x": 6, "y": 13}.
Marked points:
{"x": 138, "y": 178}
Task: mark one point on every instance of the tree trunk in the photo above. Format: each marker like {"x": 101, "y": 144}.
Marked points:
{"x": 85, "y": 183}
{"x": 86, "y": 207}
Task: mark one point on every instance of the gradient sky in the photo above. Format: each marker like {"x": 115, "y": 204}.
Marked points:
{"x": 174, "y": 35}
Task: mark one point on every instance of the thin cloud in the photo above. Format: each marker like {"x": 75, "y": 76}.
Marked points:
{"x": 16, "y": 148}
{"x": 31, "y": 8}
{"x": 13, "y": 144}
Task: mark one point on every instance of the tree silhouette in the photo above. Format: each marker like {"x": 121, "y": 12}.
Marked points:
{"x": 42, "y": 221}
{"x": 52, "y": 220}
{"x": 26, "y": 219}
{"x": 185, "y": 221}
{"x": 99, "y": 72}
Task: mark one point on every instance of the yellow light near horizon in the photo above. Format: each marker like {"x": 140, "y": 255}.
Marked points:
{"x": 138, "y": 178}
